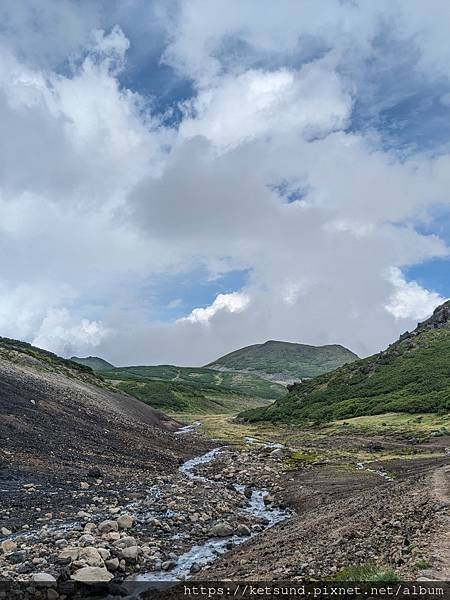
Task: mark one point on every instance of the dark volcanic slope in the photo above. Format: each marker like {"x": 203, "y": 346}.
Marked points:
{"x": 55, "y": 419}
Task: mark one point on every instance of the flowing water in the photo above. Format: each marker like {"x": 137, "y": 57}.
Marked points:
{"x": 206, "y": 553}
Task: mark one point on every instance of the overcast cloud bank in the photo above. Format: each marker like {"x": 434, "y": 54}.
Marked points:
{"x": 295, "y": 154}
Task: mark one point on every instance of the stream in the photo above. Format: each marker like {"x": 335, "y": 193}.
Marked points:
{"x": 206, "y": 553}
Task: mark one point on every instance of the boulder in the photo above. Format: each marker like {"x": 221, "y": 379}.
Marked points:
{"x": 44, "y": 579}
{"x": 91, "y": 556}
{"x": 108, "y": 526}
{"x": 92, "y": 575}
{"x": 221, "y": 530}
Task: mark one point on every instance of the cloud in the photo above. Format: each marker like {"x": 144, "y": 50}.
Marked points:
{"x": 104, "y": 192}
{"x": 61, "y": 334}
{"x": 410, "y": 300}
{"x": 233, "y": 303}
{"x": 258, "y": 103}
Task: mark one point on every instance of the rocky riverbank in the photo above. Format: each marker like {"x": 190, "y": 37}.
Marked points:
{"x": 209, "y": 519}
{"x": 105, "y": 532}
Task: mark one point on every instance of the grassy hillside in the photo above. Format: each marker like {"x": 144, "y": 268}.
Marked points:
{"x": 411, "y": 376}
{"x": 237, "y": 383}
{"x": 284, "y": 361}
{"x": 178, "y": 397}
{"x": 94, "y": 362}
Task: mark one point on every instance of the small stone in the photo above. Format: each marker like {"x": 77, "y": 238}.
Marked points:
{"x": 5, "y": 531}
{"x": 125, "y": 521}
{"x": 277, "y": 453}
{"x": 125, "y": 542}
{"x": 15, "y": 557}
{"x": 168, "y": 565}
{"x": 52, "y": 594}
{"x": 61, "y": 543}
{"x": 108, "y": 526}
{"x": 92, "y": 575}
{"x": 112, "y": 564}
{"x": 83, "y": 514}
{"x": 104, "y": 553}
{"x": 195, "y": 568}
{"x": 95, "y": 473}
{"x": 86, "y": 539}
{"x": 68, "y": 555}
{"x": 9, "y": 546}
{"x": 130, "y": 554}
{"x": 84, "y": 485}
{"x": 243, "y": 530}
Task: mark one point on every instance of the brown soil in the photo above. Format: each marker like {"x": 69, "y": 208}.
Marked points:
{"x": 344, "y": 517}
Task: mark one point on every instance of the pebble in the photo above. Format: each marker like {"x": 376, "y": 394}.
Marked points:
{"x": 9, "y": 546}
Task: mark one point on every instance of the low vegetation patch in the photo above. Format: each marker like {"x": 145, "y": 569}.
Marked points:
{"x": 367, "y": 572}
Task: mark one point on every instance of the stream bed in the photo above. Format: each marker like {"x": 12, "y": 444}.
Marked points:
{"x": 198, "y": 556}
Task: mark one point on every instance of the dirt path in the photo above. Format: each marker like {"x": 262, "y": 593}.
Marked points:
{"x": 440, "y": 548}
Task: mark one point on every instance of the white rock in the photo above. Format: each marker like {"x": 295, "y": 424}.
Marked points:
{"x": 44, "y": 578}
{"x": 91, "y": 556}
{"x": 92, "y": 575}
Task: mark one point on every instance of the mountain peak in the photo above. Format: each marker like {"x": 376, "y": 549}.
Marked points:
{"x": 439, "y": 318}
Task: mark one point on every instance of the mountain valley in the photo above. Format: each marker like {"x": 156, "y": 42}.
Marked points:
{"x": 97, "y": 486}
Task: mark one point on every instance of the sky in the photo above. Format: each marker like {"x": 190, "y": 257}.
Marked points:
{"x": 179, "y": 179}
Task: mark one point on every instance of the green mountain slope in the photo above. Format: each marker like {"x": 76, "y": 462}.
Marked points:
{"x": 94, "y": 362}
{"x": 411, "y": 376}
{"x": 187, "y": 397}
{"x": 230, "y": 382}
{"x": 285, "y": 361}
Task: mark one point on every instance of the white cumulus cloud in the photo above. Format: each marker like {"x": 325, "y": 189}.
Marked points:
{"x": 409, "y": 300}
{"x": 235, "y": 302}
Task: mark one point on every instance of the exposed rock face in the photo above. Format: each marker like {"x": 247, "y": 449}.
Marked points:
{"x": 439, "y": 318}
